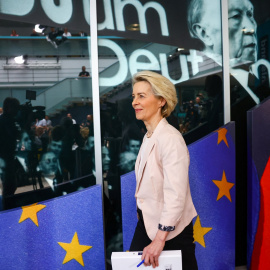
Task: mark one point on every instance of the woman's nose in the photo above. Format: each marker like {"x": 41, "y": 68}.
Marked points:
{"x": 134, "y": 102}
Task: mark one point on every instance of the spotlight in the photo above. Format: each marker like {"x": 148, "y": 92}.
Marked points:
{"x": 19, "y": 59}
{"x": 133, "y": 27}
{"x": 22, "y": 59}
{"x": 38, "y": 29}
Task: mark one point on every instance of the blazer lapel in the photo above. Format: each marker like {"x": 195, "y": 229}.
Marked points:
{"x": 143, "y": 159}
{"x": 147, "y": 151}
{"x": 138, "y": 160}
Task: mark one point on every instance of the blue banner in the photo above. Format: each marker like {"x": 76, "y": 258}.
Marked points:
{"x": 63, "y": 233}
{"x": 212, "y": 182}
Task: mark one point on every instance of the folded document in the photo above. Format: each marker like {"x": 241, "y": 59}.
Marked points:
{"x": 168, "y": 260}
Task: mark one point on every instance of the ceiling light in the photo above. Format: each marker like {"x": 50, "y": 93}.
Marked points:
{"x": 133, "y": 27}
{"x": 19, "y": 59}
{"x": 38, "y": 29}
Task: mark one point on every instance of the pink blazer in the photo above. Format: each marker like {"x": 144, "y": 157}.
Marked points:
{"x": 163, "y": 185}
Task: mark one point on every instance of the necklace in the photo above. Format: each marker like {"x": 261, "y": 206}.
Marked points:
{"x": 149, "y": 134}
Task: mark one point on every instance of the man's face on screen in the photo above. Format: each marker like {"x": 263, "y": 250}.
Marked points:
{"x": 242, "y": 31}
{"x": 49, "y": 164}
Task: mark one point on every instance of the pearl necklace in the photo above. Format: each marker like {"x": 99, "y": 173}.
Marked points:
{"x": 149, "y": 134}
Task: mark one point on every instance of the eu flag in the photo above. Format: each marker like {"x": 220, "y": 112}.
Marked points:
{"x": 62, "y": 233}
{"x": 212, "y": 182}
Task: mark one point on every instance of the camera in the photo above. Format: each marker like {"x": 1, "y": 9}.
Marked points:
{"x": 28, "y": 114}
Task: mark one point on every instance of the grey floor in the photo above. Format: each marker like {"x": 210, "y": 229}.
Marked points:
{"x": 241, "y": 268}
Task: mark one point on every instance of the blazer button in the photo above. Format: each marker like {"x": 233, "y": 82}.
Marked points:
{"x": 141, "y": 200}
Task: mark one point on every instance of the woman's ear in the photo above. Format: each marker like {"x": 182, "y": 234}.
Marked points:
{"x": 163, "y": 101}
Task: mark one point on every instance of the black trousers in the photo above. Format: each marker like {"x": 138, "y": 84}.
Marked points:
{"x": 183, "y": 242}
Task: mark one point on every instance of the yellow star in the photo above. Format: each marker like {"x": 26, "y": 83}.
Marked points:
{"x": 30, "y": 211}
{"x": 74, "y": 250}
{"x": 222, "y": 136}
{"x": 200, "y": 232}
{"x": 224, "y": 187}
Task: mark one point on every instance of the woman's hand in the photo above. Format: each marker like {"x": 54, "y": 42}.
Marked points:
{"x": 152, "y": 251}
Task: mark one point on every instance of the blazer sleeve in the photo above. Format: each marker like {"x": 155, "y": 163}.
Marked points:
{"x": 175, "y": 163}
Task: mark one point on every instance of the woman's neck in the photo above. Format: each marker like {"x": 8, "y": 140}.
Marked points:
{"x": 151, "y": 125}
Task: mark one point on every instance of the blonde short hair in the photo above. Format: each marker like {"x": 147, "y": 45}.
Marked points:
{"x": 84, "y": 132}
{"x": 161, "y": 87}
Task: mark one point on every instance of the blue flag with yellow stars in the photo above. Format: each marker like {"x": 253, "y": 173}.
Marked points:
{"x": 129, "y": 208}
{"x": 62, "y": 233}
{"x": 212, "y": 183}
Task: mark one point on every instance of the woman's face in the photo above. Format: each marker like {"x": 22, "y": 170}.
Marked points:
{"x": 146, "y": 105}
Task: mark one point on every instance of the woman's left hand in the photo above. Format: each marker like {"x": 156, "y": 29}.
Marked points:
{"x": 151, "y": 252}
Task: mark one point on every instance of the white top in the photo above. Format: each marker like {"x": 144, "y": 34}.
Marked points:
{"x": 42, "y": 123}
{"x": 66, "y": 34}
